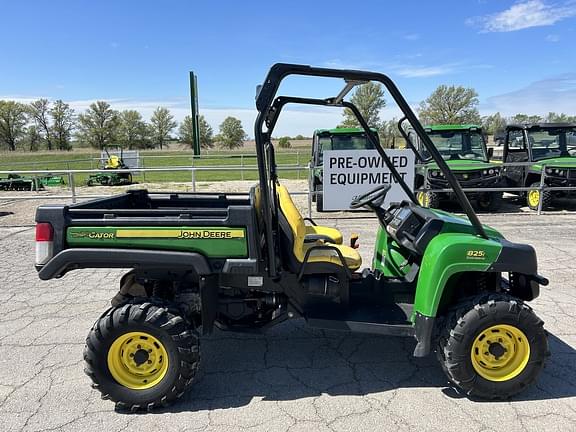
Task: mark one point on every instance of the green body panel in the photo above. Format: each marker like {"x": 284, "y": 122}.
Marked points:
{"x": 446, "y": 255}
{"x": 388, "y": 257}
{"x": 212, "y": 242}
{"x": 559, "y": 162}
{"x": 345, "y": 131}
{"x": 463, "y": 165}
{"x": 454, "y": 127}
{"x": 455, "y": 249}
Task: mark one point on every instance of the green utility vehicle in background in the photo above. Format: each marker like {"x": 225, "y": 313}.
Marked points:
{"x": 465, "y": 151}
{"x": 247, "y": 261}
{"x": 333, "y": 139}
{"x": 551, "y": 150}
{"x": 111, "y": 178}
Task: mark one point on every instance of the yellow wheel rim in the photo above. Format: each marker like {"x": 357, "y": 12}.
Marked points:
{"x": 500, "y": 352}
{"x": 423, "y": 199}
{"x": 137, "y": 360}
{"x": 534, "y": 198}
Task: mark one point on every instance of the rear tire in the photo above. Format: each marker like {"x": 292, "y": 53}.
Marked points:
{"x": 141, "y": 355}
{"x": 533, "y": 196}
{"x": 480, "y": 323}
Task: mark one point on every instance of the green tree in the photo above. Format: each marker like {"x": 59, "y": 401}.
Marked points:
{"x": 493, "y": 124}
{"x": 389, "y": 133}
{"x": 450, "y": 105}
{"x": 32, "y": 138}
{"x": 162, "y": 123}
{"x": 186, "y": 132}
{"x": 133, "y": 132}
{"x": 232, "y": 133}
{"x": 284, "y": 142}
{"x": 369, "y": 99}
{"x": 525, "y": 118}
{"x": 553, "y": 117}
{"x": 98, "y": 125}
{"x": 63, "y": 122}
{"x": 299, "y": 137}
{"x": 12, "y": 122}
{"x": 40, "y": 111}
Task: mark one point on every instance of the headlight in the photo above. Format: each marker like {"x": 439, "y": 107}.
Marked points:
{"x": 434, "y": 173}
{"x": 485, "y": 172}
{"x": 560, "y": 172}
{"x": 549, "y": 171}
{"x": 491, "y": 171}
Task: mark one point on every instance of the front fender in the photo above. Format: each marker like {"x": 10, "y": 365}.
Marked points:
{"x": 446, "y": 255}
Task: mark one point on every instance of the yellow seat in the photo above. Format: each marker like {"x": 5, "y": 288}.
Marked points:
{"x": 298, "y": 230}
{"x": 333, "y": 234}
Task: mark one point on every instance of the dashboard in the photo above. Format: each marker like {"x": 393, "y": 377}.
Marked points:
{"x": 412, "y": 226}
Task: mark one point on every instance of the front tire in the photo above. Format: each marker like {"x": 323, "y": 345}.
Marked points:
{"x": 492, "y": 346}
{"x": 533, "y": 197}
{"x": 428, "y": 199}
{"x": 141, "y": 355}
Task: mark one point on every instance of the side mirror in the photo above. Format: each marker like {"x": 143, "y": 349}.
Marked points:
{"x": 490, "y": 152}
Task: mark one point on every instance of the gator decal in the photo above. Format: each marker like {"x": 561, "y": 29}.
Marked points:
{"x": 212, "y": 242}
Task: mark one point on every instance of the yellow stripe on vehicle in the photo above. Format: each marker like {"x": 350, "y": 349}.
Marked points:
{"x": 193, "y": 234}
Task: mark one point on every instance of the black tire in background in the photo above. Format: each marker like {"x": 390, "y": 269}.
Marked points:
{"x": 489, "y": 201}
{"x": 177, "y": 337}
{"x": 546, "y": 197}
{"x": 467, "y": 322}
{"x": 320, "y": 198}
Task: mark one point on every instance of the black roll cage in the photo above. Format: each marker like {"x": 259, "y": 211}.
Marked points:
{"x": 269, "y": 107}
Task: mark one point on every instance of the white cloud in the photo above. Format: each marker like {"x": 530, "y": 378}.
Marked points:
{"x": 525, "y": 14}
{"x": 556, "y": 94}
{"x": 424, "y": 71}
{"x": 411, "y": 36}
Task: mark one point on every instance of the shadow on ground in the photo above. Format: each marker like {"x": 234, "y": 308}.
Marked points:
{"x": 295, "y": 362}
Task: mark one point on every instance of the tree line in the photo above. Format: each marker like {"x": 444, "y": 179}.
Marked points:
{"x": 48, "y": 125}
{"x": 445, "y": 105}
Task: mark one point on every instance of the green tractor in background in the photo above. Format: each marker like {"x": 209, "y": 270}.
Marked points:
{"x": 466, "y": 154}
{"x": 333, "y": 139}
{"x": 552, "y": 149}
{"x": 114, "y": 162}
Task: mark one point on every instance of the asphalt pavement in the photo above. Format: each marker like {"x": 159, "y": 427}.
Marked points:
{"x": 292, "y": 378}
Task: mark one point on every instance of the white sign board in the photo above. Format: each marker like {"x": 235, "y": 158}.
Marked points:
{"x": 349, "y": 173}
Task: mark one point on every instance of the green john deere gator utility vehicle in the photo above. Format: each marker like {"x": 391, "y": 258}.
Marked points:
{"x": 246, "y": 262}
{"x": 466, "y": 154}
{"x": 550, "y": 149}
{"x": 333, "y": 139}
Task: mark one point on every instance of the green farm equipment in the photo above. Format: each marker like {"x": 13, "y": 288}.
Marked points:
{"x": 248, "y": 261}
{"x": 111, "y": 178}
{"x": 550, "y": 150}
{"x": 466, "y": 154}
{"x": 333, "y": 139}
{"x": 51, "y": 181}
{"x": 15, "y": 182}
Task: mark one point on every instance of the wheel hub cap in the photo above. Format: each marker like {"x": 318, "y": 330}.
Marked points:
{"x": 534, "y": 197}
{"x": 137, "y": 360}
{"x": 500, "y": 352}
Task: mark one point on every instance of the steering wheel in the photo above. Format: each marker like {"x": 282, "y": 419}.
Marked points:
{"x": 373, "y": 199}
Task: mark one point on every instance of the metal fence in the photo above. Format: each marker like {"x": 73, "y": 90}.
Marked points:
{"x": 193, "y": 170}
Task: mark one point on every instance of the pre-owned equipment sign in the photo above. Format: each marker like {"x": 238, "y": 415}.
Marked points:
{"x": 349, "y": 173}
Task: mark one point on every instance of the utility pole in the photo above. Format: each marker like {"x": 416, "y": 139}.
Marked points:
{"x": 194, "y": 112}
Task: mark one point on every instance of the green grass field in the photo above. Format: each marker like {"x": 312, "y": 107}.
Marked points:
{"x": 88, "y": 160}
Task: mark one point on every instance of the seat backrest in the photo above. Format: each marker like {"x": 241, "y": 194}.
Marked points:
{"x": 295, "y": 221}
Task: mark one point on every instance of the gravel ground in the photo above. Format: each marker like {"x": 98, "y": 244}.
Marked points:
{"x": 292, "y": 378}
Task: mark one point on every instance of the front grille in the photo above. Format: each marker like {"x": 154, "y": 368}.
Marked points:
{"x": 468, "y": 176}
{"x": 572, "y": 174}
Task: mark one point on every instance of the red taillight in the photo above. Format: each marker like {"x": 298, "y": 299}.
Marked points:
{"x": 44, "y": 232}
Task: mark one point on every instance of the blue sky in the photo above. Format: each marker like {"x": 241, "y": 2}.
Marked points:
{"x": 136, "y": 54}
